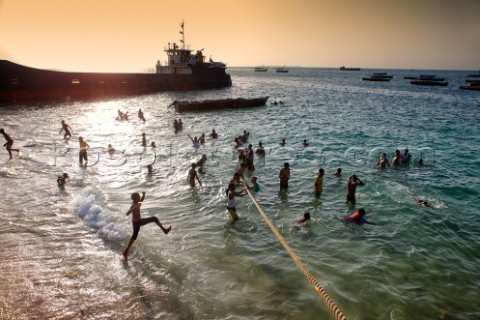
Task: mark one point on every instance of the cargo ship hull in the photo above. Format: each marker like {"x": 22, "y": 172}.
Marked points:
{"x": 20, "y": 83}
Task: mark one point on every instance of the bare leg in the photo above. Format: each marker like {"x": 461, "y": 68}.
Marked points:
{"x": 125, "y": 253}
{"x": 233, "y": 214}
{"x": 165, "y": 230}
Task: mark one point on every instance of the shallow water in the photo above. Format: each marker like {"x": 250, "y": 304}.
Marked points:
{"x": 62, "y": 249}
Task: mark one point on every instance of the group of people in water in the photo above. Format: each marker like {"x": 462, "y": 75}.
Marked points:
{"x": 246, "y": 156}
{"x": 398, "y": 159}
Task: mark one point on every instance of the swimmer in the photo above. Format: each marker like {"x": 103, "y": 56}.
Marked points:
{"x": 201, "y": 162}
{"x": 338, "y": 173}
{"x": 358, "y": 217}
{"x": 260, "y": 150}
{"x": 304, "y": 219}
{"x": 406, "y": 156}
{"x": 318, "y": 185}
{"x": 150, "y": 169}
{"x": 397, "y": 159}
{"x": 305, "y": 143}
{"x": 195, "y": 141}
{"x": 383, "y": 161}
{"x": 283, "y": 143}
{"x": 192, "y": 175}
{"x": 202, "y": 139}
{"x": 256, "y": 186}
{"x": 68, "y": 130}
{"x": 352, "y": 184}
{"x": 82, "y": 154}
{"x": 62, "y": 180}
{"x": 8, "y": 145}
{"x": 138, "y": 221}
{"x": 213, "y": 135}
{"x": 144, "y": 139}
{"x": 231, "y": 194}
{"x": 111, "y": 150}
{"x": 141, "y": 115}
{"x": 284, "y": 176}
{"x": 423, "y": 202}
{"x": 153, "y": 145}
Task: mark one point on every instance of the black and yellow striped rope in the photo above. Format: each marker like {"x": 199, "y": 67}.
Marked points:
{"x": 336, "y": 312}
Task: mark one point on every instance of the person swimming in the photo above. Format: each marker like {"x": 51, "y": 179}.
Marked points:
{"x": 358, "y": 217}
{"x": 195, "y": 142}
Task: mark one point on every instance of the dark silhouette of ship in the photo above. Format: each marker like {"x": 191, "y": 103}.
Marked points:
{"x": 184, "y": 71}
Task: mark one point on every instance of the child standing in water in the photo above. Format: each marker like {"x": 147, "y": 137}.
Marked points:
{"x": 318, "y": 185}
{"x": 8, "y": 145}
{"x": 138, "y": 221}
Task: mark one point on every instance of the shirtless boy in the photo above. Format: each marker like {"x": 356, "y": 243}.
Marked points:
{"x": 68, "y": 130}
{"x": 352, "y": 184}
{"x": 192, "y": 175}
{"x": 138, "y": 221}
{"x": 284, "y": 175}
{"x": 8, "y": 145}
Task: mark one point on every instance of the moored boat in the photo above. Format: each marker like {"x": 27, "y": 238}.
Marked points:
{"x": 378, "y": 76}
{"x": 474, "y": 75}
{"x": 218, "y": 104}
{"x": 343, "y": 68}
{"x": 281, "y": 70}
{"x": 184, "y": 70}
{"x": 471, "y": 86}
{"x": 260, "y": 69}
{"x": 429, "y": 83}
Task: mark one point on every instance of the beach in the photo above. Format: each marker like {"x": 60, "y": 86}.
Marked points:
{"x": 62, "y": 249}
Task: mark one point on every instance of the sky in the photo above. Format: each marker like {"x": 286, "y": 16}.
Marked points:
{"x": 130, "y": 35}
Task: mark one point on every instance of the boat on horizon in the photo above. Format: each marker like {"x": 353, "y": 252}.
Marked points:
{"x": 281, "y": 70}
{"x": 343, "y": 68}
{"x": 260, "y": 69}
{"x": 183, "y": 71}
{"x": 474, "y": 75}
{"x": 217, "y": 104}
{"x": 378, "y": 76}
{"x": 429, "y": 80}
{"x": 429, "y": 77}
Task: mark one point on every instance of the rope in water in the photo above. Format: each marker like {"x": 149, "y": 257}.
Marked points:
{"x": 336, "y": 312}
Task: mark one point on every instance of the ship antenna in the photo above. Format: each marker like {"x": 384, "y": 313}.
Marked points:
{"x": 183, "y": 34}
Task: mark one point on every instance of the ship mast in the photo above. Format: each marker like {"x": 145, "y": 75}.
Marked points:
{"x": 182, "y": 32}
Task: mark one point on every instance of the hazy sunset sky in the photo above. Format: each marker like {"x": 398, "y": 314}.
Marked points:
{"x": 130, "y": 35}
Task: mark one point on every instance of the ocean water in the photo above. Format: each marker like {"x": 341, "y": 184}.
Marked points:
{"x": 61, "y": 249}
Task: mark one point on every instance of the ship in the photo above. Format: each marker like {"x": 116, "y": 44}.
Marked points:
{"x": 260, "y": 69}
{"x": 184, "y": 70}
{"x": 343, "y": 68}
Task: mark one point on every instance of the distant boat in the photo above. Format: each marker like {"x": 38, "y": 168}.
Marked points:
{"x": 429, "y": 83}
{"x": 218, "y": 104}
{"x": 473, "y": 85}
{"x": 429, "y": 77}
{"x": 378, "y": 76}
{"x": 260, "y": 69}
{"x": 281, "y": 70}
{"x": 343, "y": 68}
{"x": 474, "y": 75}
{"x": 429, "y": 80}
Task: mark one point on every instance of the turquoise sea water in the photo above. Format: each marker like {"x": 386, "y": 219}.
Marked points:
{"x": 62, "y": 249}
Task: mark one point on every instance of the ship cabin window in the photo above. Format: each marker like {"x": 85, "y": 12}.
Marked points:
{"x": 15, "y": 81}
{"x": 75, "y": 81}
